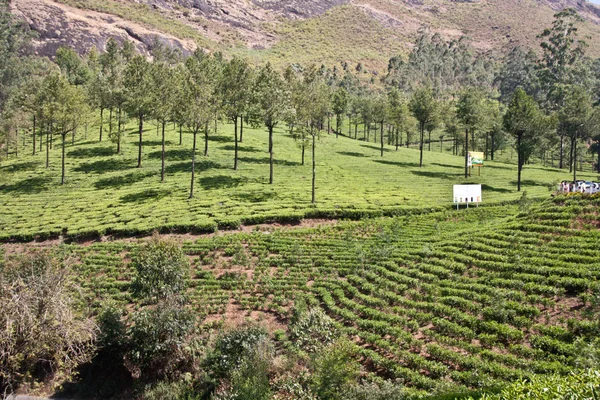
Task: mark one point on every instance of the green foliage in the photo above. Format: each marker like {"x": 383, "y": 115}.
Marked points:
{"x": 578, "y": 385}
{"x": 112, "y": 334}
{"x": 181, "y": 390}
{"x": 334, "y": 369}
{"x": 312, "y": 330}
{"x": 162, "y": 269}
{"x": 162, "y": 342}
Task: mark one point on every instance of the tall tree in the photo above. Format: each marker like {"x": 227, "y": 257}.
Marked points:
{"x": 271, "y": 100}
{"x": 523, "y": 120}
{"x": 424, "y": 107}
{"x": 235, "y": 86}
{"x": 469, "y": 110}
{"x": 196, "y": 109}
{"x": 164, "y": 92}
{"x": 138, "y": 93}
{"x": 340, "y": 106}
{"x": 578, "y": 119}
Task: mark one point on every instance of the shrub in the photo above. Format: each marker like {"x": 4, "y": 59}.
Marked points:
{"x": 230, "y": 350}
{"x": 334, "y": 370}
{"x": 181, "y": 390}
{"x": 161, "y": 269}
{"x": 162, "y": 341}
{"x": 313, "y": 330}
{"x": 112, "y": 334}
{"x": 40, "y": 328}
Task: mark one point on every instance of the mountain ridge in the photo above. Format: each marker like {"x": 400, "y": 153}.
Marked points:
{"x": 287, "y": 31}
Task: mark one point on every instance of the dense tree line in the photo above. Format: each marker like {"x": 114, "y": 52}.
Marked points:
{"x": 544, "y": 106}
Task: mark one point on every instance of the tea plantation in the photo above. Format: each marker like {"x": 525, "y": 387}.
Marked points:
{"x": 442, "y": 301}
{"x": 106, "y": 194}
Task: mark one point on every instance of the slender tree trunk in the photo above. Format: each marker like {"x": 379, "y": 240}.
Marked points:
{"x": 62, "y": 177}
{"x": 493, "y": 145}
{"x": 356, "y": 130}
{"x": 314, "y": 168}
{"x": 598, "y": 162}
{"x": 349, "y": 127}
{"x": 206, "y": 139}
{"x": 17, "y": 142}
{"x": 157, "y": 128}
{"x": 73, "y": 136}
{"x": 365, "y": 138}
{"x": 180, "y": 134}
{"x": 561, "y": 152}
{"x": 235, "y": 132}
{"x": 101, "y": 121}
{"x": 519, "y": 161}
{"x": 473, "y": 139}
{"x": 397, "y": 138}
{"x": 381, "y": 134}
{"x": 241, "y": 128}
{"x": 110, "y": 122}
{"x": 574, "y": 159}
{"x": 141, "y": 131}
{"x": 329, "y": 125}
{"x": 303, "y": 151}
{"x": 86, "y": 131}
{"x": 271, "y": 154}
{"x": 466, "y": 153}
{"x": 119, "y": 132}
{"x": 162, "y": 155}
{"x": 421, "y": 145}
{"x": 34, "y": 126}
{"x": 441, "y": 145}
{"x": 487, "y": 143}
{"x": 571, "y": 156}
{"x": 41, "y": 134}
{"x": 337, "y": 126}
{"x": 48, "y": 146}
{"x": 193, "y": 163}
{"x": 429, "y": 140}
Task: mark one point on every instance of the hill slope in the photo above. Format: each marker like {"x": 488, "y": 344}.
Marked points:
{"x": 369, "y": 31}
{"x": 105, "y": 193}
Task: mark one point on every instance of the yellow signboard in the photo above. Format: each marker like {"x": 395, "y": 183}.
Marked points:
{"x": 476, "y": 159}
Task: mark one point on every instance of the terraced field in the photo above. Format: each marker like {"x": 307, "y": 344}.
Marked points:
{"x": 441, "y": 301}
{"x": 106, "y": 194}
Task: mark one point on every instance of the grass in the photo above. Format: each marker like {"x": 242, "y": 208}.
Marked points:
{"x": 105, "y": 192}
{"x": 447, "y": 301}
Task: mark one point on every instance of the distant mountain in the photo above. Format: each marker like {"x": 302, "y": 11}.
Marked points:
{"x": 304, "y": 31}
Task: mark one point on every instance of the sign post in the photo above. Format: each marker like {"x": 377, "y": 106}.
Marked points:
{"x": 467, "y": 194}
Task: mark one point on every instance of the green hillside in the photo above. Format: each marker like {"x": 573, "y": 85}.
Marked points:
{"x": 106, "y": 194}
{"x": 448, "y": 301}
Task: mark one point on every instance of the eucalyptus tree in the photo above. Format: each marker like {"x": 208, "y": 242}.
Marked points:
{"x": 340, "y": 106}
{"x": 524, "y": 121}
{"x": 271, "y": 103}
{"x": 163, "y": 97}
{"x": 578, "y": 119}
{"x": 196, "y": 96}
{"x": 235, "y": 85}
{"x": 380, "y": 115}
{"x": 66, "y": 103}
{"x": 424, "y": 107}
{"x": 470, "y": 112}
{"x": 519, "y": 69}
{"x": 138, "y": 84}
{"x": 72, "y": 66}
{"x": 312, "y": 109}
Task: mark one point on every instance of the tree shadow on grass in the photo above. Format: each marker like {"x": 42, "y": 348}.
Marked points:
{"x": 352, "y": 154}
{"x": 529, "y": 182}
{"x": 255, "y": 196}
{"x": 375, "y": 147}
{"x": 221, "y": 182}
{"x": 220, "y": 139}
{"x": 231, "y": 147}
{"x": 186, "y": 166}
{"x": 22, "y": 166}
{"x": 265, "y": 160}
{"x": 31, "y": 185}
{"x": 398, "y": 163}
{"x": 103, "y": 166}
{"x": 449, "y": 166}
{"x": 145, "y": 195}
{"x": 155, "y": 143}
{"x": 437, "y": 175}
{"x": 91, "y": 152}
{"x": 173, "y": 154}
{"x": 494, "y": 189}
{"x": 500, "y": 167}
{"x": 120, "y": 181}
